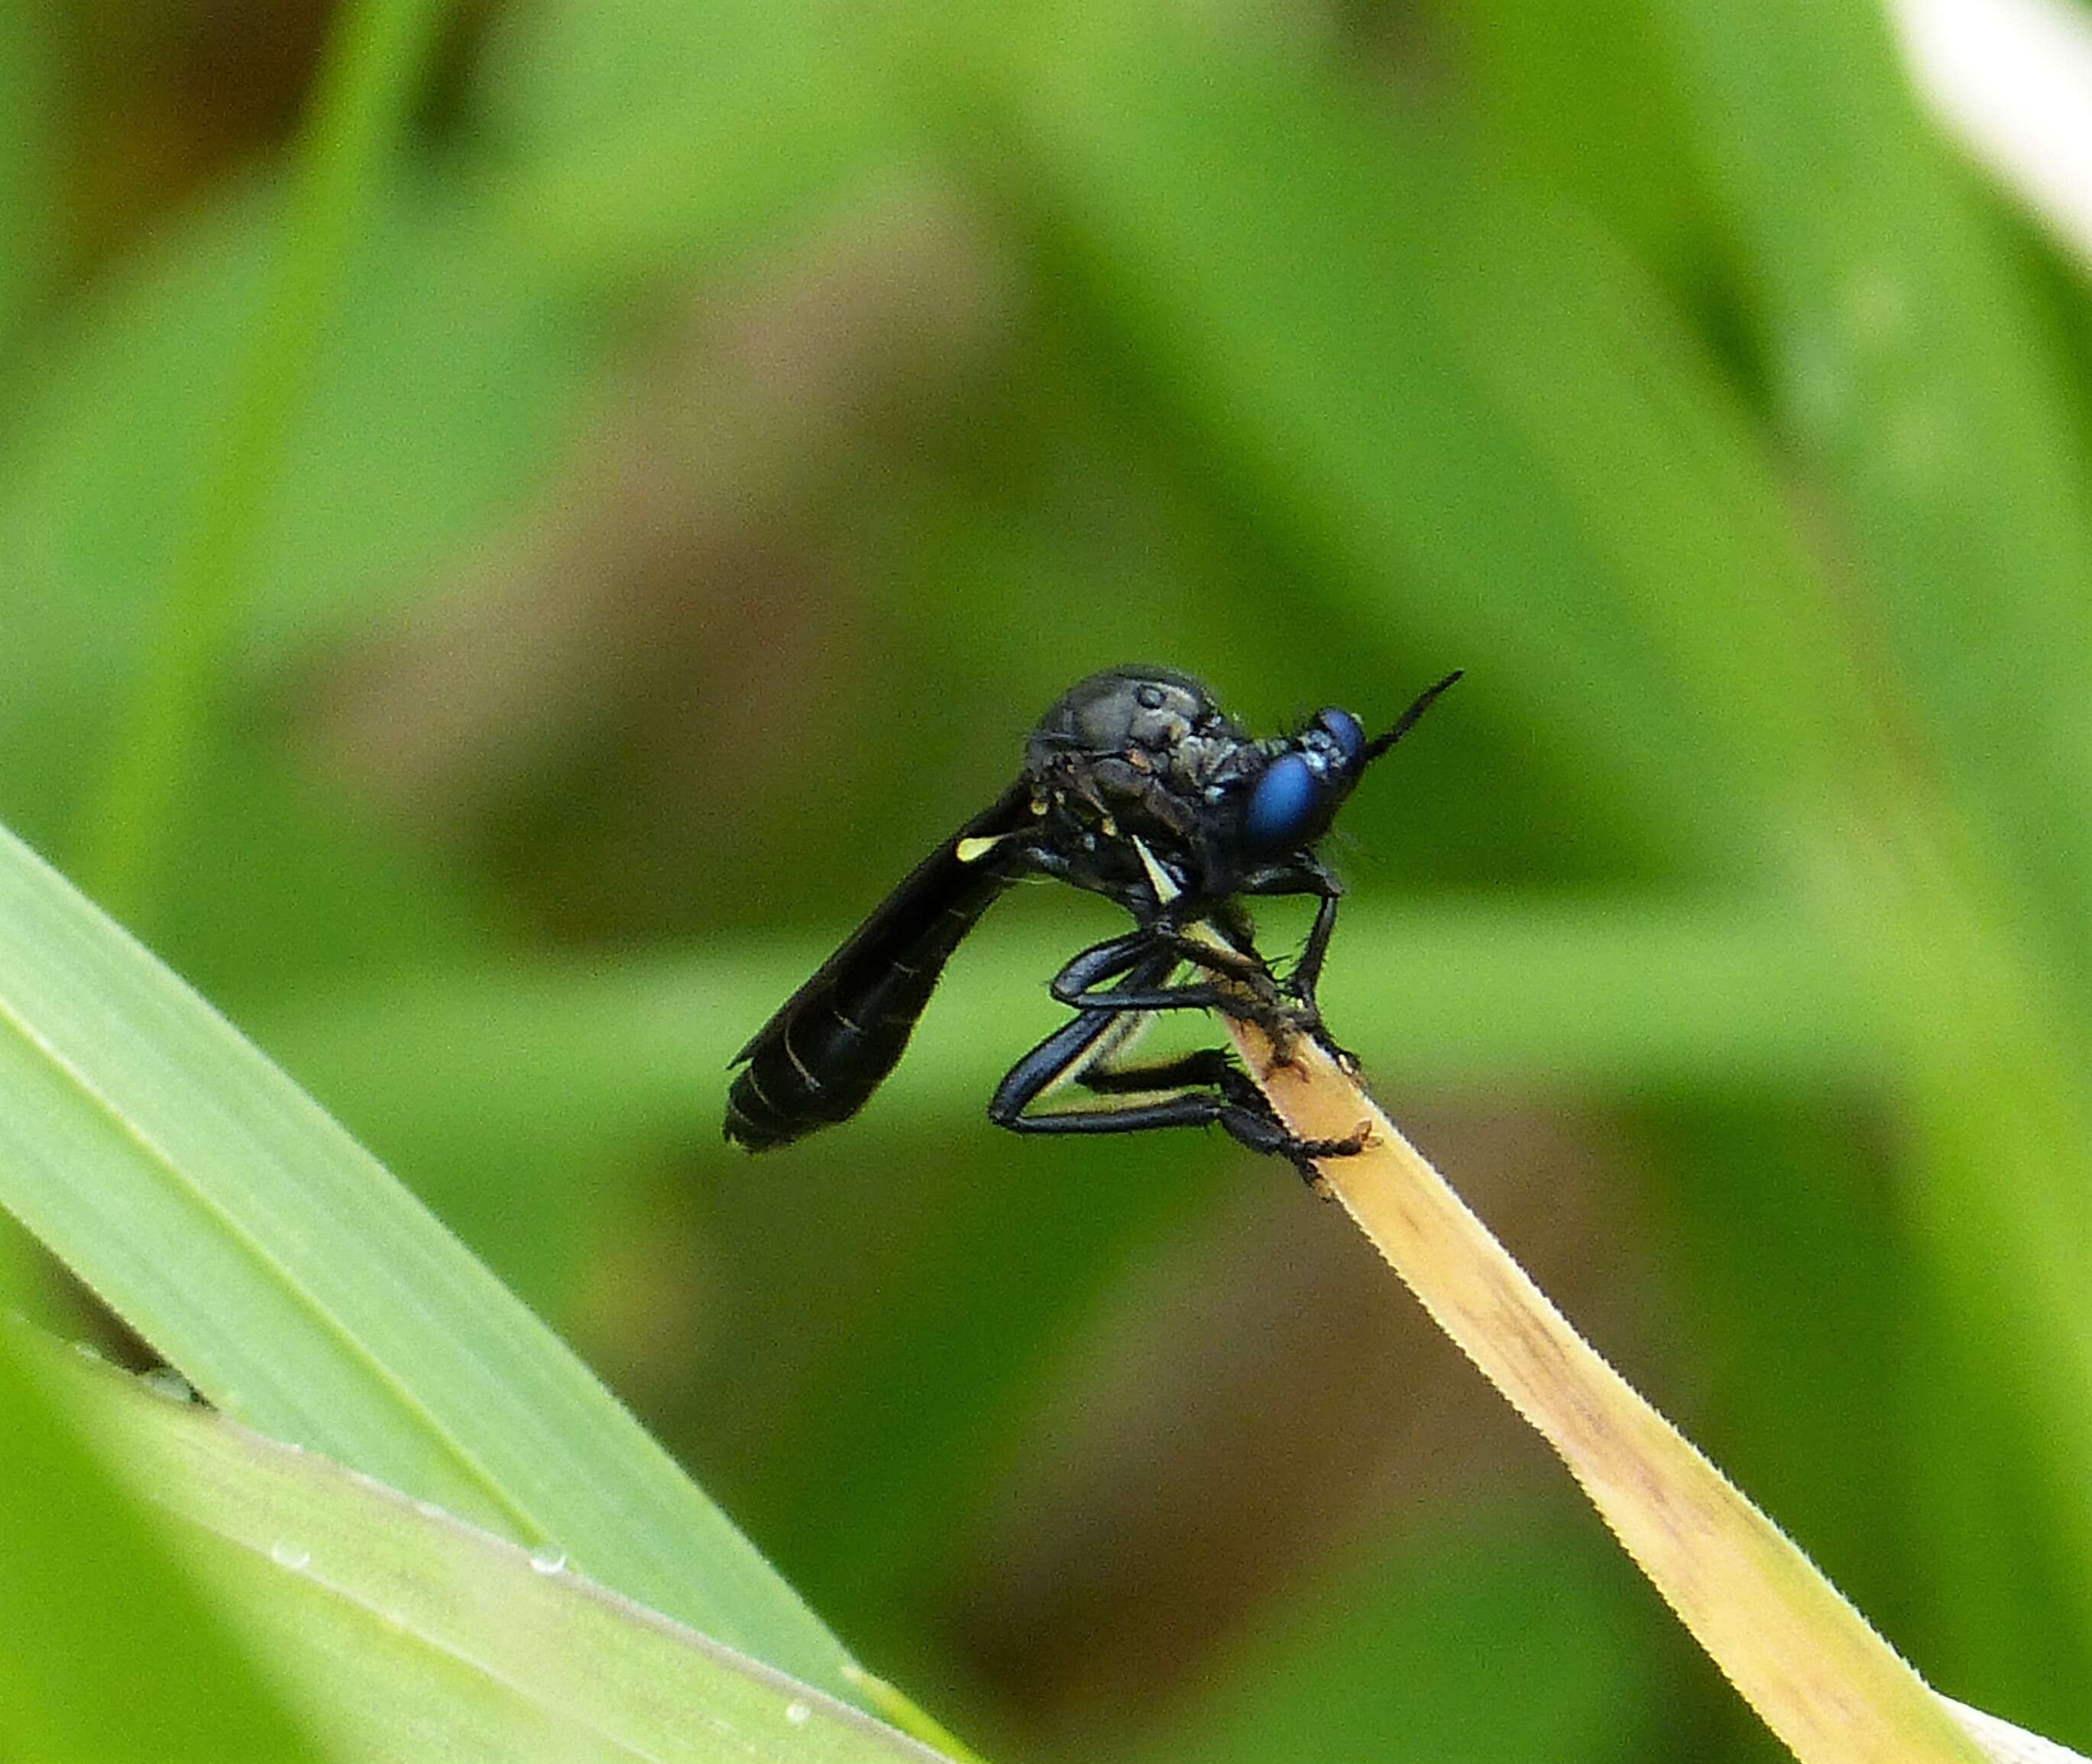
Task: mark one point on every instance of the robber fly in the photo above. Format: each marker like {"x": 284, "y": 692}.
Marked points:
{"x": 1137, "y": 787}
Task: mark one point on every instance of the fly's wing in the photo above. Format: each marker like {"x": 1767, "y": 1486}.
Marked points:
{"x": 832, "y": 1043}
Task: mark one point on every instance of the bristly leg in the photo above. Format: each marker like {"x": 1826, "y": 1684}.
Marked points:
{"x": 1204, "y": 1088}
{"x": 1243, "y": 987}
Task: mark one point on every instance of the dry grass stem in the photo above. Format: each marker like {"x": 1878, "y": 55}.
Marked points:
{"x": 1831, "y": 1688}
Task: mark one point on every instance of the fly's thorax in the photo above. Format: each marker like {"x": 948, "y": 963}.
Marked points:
{"x": 1095, "y": 814}
{"x": 1144, "y": 753}
{"x": 1147, "y": 708}
{"x": 1131, "y": 752}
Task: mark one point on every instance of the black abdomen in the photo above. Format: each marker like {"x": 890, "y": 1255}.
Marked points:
{"x": 832, "y": 1043}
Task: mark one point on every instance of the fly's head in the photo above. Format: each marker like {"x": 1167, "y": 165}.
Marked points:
{"x": 1288, "y": 801}
{"x": 1290, "y": 793}
{"x": 1137, "y": 768}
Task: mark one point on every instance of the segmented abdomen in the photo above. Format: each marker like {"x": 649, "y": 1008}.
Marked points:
{"x": 832, "y": 1043}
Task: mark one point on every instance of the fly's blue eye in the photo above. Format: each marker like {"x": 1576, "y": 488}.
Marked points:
{"x": 1283, "y": 802}
{"x": 1343, "y": 728}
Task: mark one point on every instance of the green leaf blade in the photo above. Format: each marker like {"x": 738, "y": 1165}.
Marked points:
{"x": 420, "y": 1635}
{"x": 89, "y": 1589}
{"x": 235, "y": 1225}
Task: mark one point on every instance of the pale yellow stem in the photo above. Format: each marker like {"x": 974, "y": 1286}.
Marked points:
{"x": 1831, "y": 1688}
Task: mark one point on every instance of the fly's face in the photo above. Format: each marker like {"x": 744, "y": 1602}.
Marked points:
{"x": 1289, "y": 790}
{"x": 1287, "y": 800}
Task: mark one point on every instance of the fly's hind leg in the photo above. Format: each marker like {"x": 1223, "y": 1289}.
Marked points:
{"x": 1250, "y": 1120}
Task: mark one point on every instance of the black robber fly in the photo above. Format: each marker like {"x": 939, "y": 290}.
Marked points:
{"x": 1135, "y": 786}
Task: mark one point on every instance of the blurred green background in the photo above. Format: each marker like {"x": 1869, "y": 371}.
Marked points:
{"x": 520, "y": 520}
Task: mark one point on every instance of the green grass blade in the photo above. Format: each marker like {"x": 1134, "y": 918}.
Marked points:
{"x": 1611, "y": 995}
{"x": 1903, "y": 350}
{"x": 232, "y": 1223}
{"x": 371, "y": 76}
{"x": 107, "y": 1652}
{"x": 416, "y": 1636}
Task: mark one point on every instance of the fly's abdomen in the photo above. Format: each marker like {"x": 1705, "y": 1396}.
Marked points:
{"x": 819, "y": 1063}
{"x": 819, "y": 1059}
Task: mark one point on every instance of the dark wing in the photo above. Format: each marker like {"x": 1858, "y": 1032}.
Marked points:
{"x": 832, "y": 1043}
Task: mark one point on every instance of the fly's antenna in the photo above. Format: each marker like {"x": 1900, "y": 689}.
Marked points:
{"x": 1407, "y": 720}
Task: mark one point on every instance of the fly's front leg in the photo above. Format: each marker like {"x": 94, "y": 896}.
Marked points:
{"x": 1306, "y": 975}
{"x": 1243, "y": 967}
{"x": 1243, "y": 989}
{"x": 1307, "y": 971}
{"x": 1246, "y": 990}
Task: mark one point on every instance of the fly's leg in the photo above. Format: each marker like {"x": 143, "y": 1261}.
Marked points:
{"x": 1243, "y": 988}
{"x": 1242, "y": 965}
{"x": 1212, "y": 1068}
{"x": 1282, "y": 1010}
{"x": 1077, "y": 984}
{"x": 1306, "y": 973}
{"x": 1216, "y": 1093}
{"x": 1306, "y": 1016}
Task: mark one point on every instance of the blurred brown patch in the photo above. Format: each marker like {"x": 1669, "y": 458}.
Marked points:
{"x": 1253, "y": 1402}
{"x": 173, "y": 95}
{"x": 674, "y": 595}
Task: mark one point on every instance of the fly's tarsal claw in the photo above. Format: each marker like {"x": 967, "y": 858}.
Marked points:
{"x": 1289, "y": 1025}
{"x": 1350, "y": 1146}
{"x": 1306, "y": 1154}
